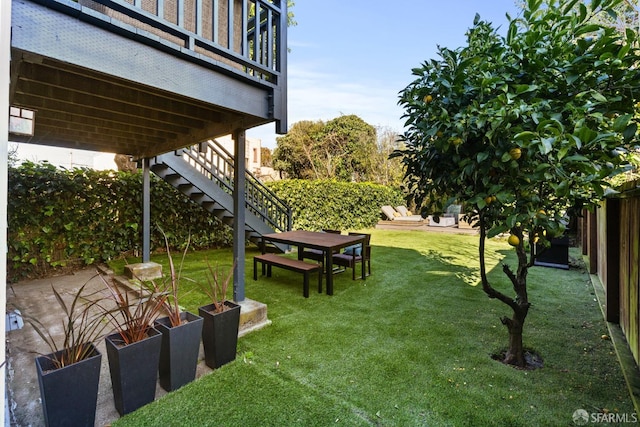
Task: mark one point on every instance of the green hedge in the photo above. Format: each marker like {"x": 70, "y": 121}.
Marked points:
{"x": 318, "y": 204}
{"x": 62, "y": 218}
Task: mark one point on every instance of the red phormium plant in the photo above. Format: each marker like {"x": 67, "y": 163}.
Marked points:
{"x": 217, "y": 286}
{"x": 133, "y": 316}
{"x": 82, "y": 325}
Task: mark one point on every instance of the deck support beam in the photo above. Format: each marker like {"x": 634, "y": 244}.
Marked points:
{"x": 239, "y": 239}
{"x": 146, "y": 211}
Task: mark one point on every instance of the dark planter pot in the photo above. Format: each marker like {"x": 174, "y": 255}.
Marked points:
{"x": 555, "y": 256}
{"x": 220, "y": 334}
{"x": 69, "y": 394}
{"x": 179, "y": 352}
{"x": 134, "y": 370}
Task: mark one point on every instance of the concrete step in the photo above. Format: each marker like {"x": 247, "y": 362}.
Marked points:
{"x": 253, "y": 314}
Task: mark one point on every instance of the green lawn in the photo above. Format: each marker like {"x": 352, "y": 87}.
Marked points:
{"x": 409, "y": 346}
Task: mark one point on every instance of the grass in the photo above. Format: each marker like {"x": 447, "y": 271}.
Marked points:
{"x": 409, "y": 346}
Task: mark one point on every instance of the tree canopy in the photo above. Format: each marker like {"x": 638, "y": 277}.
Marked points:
{"x": 345, "y": 148}
{"x": 525, "y": 128}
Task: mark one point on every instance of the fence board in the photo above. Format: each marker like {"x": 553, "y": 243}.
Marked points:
{"x": 634, "y": 259}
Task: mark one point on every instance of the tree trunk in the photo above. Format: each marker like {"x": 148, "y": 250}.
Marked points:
{"x": 515, "y": 352}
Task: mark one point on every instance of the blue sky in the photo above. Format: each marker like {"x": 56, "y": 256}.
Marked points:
{"x": 349, "y": 57}
{"x": 354, "y": 56}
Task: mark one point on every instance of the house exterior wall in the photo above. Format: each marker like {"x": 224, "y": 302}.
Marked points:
{"x": 252, "y": 158}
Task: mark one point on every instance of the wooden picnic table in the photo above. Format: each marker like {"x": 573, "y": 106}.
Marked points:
{"x": 326, "y": 242}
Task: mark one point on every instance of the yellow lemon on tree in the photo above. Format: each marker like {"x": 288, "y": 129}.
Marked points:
{"x": 488, "y": 200}
{"x": 439, "y": 134}
{"x": 515, "y": 153}
{"x": 513, "y": 240}
{"x": 456, "y": 141}
{"x": 428, "y": 98}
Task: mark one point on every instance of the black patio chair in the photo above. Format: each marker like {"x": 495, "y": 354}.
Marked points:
{"x": 354, "y": 255}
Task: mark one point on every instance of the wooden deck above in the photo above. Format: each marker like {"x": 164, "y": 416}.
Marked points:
{"x": 145, "y": 77}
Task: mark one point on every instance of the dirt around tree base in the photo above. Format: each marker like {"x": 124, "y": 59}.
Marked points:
{"x": 531, "y": 358}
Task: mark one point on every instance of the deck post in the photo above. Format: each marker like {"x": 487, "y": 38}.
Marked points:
{"x": 146, "y": 211}
{"x": 239, "y": 182}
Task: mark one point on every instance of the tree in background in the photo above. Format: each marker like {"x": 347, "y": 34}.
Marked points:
{"x": 291, "y": 155}
{"x": 265, "y": 157}
{"x": 387, "y": 171}
{"x": 345, "y": 148}
{"x": 523, "y": 129}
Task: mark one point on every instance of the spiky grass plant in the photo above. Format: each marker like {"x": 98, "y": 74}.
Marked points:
{"x": 132, "y": 317}
{"x": 83, "y": 324}
{"x": 216, "y": 286}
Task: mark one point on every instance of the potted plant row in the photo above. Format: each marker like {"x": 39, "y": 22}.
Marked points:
{"x": 142, "y": 347}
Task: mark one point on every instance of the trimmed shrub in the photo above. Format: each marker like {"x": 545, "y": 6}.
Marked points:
{"x": 60, "y": 219}
{"x": 318, "y": 204}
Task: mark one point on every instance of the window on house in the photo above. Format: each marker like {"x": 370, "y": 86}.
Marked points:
{"x": 21, "y": 121}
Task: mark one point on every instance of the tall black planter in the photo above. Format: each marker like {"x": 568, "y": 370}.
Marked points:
{"x": 220, "y": 334}
{"x": 69, "y": 394}
{"x": 179, "y": 352}
{"x": 134, "y": 370}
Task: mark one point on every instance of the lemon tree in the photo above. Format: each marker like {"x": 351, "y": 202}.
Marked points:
{"x": 523, "y": 129}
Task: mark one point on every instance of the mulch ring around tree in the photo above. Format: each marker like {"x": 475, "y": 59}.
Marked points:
{"x": 531, "y": 358}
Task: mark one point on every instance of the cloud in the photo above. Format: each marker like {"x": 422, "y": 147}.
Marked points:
{"x": 314, "y": 94}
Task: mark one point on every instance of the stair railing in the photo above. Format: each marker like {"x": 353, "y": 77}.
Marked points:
{"x": 216, "y": 163}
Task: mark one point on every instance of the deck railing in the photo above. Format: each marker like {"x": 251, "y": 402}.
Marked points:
{"x": 216, "y": 163}
{"x": 243, "y": 36}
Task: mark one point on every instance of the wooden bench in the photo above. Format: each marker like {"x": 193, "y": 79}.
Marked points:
{"x": 269, "y": 260}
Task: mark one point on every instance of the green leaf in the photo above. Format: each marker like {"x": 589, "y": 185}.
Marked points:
{"x": 571, "y": 78}
{"x": 547, "y": 145}
{"x": 576, "y": 158}
{"x": 568, "y": 8}
{"x": 621, "y": 122}
{"x": 598, "y": 96}
{"x": 524, "y": 136}
{"x": 630, "y": 132}
{"x": 589, "y": 28}
{"x": 542, "y": 167}
{"x": 498, "y": 229}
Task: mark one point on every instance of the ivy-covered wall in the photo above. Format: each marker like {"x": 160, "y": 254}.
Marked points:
{"x": 60, "y": 219}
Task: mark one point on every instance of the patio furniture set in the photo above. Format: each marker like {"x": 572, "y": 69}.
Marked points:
{"x": 400, "y": 215}
{"x": 323, "y": 247}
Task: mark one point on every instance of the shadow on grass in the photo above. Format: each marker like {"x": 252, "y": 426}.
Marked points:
{"x": 410, "y": 345}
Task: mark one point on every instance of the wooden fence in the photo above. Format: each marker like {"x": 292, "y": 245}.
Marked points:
{"x": 610, "y": 238}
